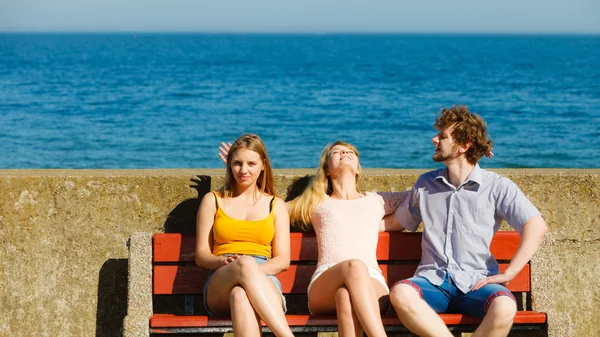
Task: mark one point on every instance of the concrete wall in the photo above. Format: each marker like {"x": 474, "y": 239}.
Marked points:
{"x": 63, "y": 233}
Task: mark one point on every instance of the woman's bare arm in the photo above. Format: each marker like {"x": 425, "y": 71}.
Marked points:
{"x": 281, "y": 241}
{"x": 204, "y": 222}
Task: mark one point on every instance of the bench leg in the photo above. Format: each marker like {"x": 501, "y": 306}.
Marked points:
{"x": 139, "y": 286}
{"x": 133, "y": 327}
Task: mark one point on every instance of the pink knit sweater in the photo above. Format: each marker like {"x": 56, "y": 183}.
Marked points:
{"x": 348, "y": 229}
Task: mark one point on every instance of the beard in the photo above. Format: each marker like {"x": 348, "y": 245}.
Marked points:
{"x": 442, "y": 157}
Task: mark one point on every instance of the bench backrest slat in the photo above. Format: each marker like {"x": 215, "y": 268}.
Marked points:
{"x": 397, "y": 246}
{"x": 188, "y": 279}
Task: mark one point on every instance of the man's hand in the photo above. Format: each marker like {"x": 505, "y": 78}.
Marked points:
{"x": 224, "y": 151}
{"x": 531, "y": 236}
{"x": 496, "y": 279}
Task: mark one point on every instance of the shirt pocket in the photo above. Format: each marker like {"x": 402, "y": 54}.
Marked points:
{"x": 478, "y": 223}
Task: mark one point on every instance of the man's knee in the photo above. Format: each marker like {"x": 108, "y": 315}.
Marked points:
{"x": 403, "y": 296}
{"x": 502, "y": 310}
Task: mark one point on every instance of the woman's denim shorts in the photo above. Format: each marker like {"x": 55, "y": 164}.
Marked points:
{"x": 260, "y": 260}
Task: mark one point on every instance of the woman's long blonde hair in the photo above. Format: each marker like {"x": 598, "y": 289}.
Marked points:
{"x": 265, "y": 179}
{"x": 320, "y": 185}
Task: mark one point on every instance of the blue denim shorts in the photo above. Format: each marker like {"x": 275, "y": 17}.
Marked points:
{"x": 447, "y": 298}
{"x": 260, "y": 260}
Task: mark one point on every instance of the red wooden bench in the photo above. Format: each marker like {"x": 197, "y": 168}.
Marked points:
{"x": 177, "y": 284}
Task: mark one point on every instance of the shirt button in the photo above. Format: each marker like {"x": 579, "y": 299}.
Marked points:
{"x": 452, "y": 212}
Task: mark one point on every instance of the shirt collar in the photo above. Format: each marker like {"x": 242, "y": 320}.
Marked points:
{"x": 475, "y": 176}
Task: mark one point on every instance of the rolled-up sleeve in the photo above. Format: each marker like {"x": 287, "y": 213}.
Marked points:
{"x": 408, "y": 213}
{"x": 513, "y": 206}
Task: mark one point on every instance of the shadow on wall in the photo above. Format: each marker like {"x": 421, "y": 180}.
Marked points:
{"x": 182, "y": 219}
{"x": 297, "y": 187}
{"x": 293, "y": 191}
{"x": 112, "y": 298}
{"x": 112, "y": 283}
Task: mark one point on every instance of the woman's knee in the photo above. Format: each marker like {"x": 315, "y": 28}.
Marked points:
{"x": 343, "y": 304}
{"x": 238, "y": 297}
{"x": 354, "y": 268}
{"x": 246, "y": 268}
{"x": 239, "y": 304}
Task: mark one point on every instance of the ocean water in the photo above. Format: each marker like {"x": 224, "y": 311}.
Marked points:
{"x": 167, "y": 100}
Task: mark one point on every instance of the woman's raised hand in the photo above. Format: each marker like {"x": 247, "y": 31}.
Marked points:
{"x": 224, "y": 151}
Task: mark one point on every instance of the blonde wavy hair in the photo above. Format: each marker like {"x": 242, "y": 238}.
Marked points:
{"x": 265, "y": 179}
{"x": 320, "y": 185}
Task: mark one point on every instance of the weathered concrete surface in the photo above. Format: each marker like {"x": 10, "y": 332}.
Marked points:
{"x": 63, "y": 258}
{"x": 139, "y": 285}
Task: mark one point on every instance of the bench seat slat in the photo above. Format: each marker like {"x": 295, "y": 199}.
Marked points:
{"x": 169, "y": 321}
{"x": 401, "y": 246}
{"x": 189, "y": 279}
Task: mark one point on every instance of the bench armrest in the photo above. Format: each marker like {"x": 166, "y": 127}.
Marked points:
{"x": 139, "y": 285}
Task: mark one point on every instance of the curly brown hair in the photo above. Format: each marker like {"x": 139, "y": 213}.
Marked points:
{"x": 469, "y": 128}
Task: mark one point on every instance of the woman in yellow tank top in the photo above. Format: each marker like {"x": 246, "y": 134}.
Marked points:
{"x": 242, "y": 234}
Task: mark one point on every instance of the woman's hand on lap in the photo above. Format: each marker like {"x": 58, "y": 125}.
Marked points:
{"x": 228, "y": 259}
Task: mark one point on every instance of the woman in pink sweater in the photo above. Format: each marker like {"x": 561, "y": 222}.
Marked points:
{"x": 347, "y": 280}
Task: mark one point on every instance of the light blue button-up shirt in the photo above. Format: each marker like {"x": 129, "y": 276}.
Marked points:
{"x": 459, "y": 223}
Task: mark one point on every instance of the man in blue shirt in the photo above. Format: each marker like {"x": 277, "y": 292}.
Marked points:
{"x": 461, "y": 207}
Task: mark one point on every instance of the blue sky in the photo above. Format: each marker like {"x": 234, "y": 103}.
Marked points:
{"x": 310, "y": 16}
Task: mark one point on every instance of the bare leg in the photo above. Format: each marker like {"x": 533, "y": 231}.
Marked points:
{"x": 416, "y": 315}
{"x": 260, "y": 290}
{"x": 246, "y": 322}
{"x": 348, "y": 324}
{"x": 354, "y": 275}
{"x": 498, "y": 319}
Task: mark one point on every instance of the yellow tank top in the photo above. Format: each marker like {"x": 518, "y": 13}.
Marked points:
{"x": 248, "y": 237}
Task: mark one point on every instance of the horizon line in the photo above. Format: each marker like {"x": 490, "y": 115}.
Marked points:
{"x": 191, "y": 32}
